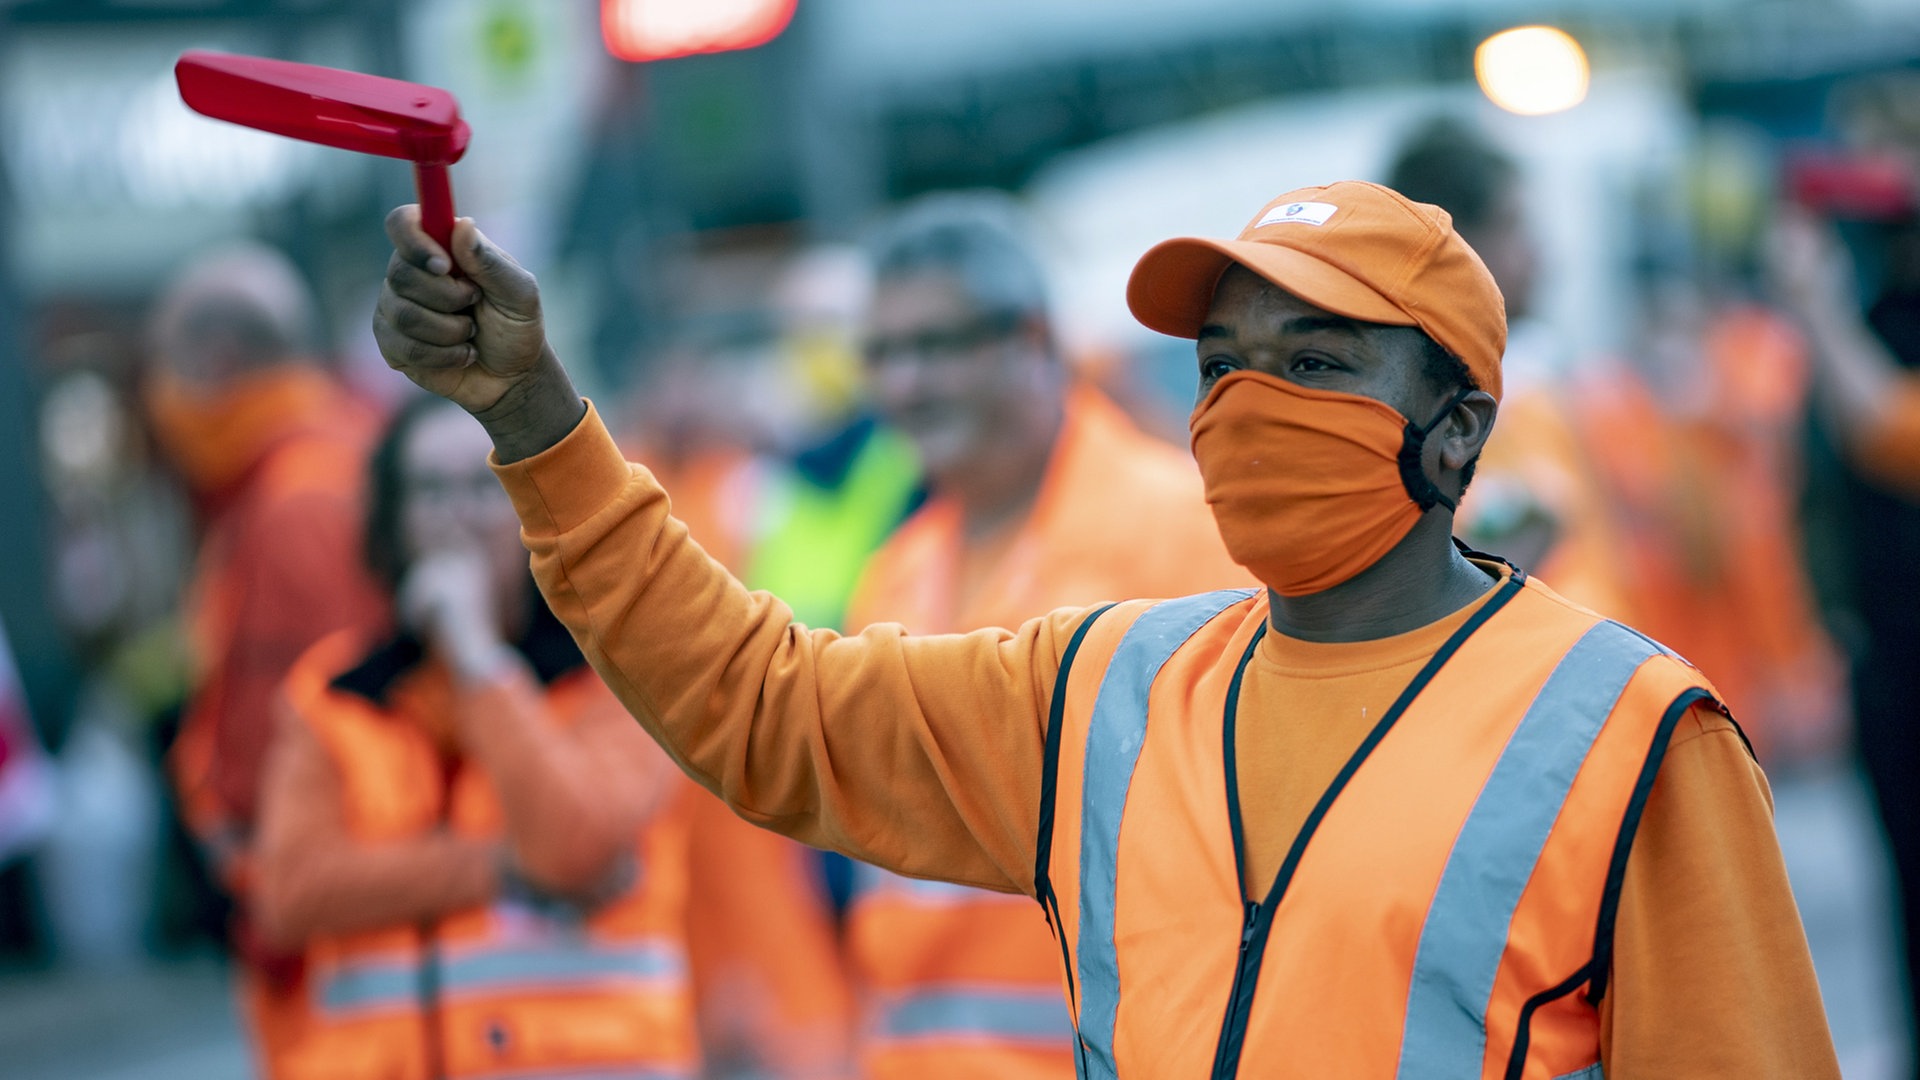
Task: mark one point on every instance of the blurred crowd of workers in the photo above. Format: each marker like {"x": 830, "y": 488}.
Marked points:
{"x": 450, "y": 852}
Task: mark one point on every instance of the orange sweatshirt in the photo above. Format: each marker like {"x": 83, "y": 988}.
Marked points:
{"x": 925, "y": 755}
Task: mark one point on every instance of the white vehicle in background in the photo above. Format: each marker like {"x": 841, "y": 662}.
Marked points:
{"x": 1588, "y": 170}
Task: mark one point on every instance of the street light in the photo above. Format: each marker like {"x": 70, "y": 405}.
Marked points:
{"x": 641, "y": 30}
{"x": 1532, "y": 70}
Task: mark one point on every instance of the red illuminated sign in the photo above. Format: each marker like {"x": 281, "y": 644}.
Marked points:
{"x": 641, "y": 30}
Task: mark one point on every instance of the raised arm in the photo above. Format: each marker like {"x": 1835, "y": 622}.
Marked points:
{"x": 921, "y": 755}
{"x": 1869, "y": 400}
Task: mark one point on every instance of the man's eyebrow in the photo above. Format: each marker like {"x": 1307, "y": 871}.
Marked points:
{"x": 1339, "y": 324}
{"x": 1304, "y": 324}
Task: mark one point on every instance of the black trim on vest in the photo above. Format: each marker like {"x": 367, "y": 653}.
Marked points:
{"x": 1259, "y": 925}
{"x": 1049, "y": 798}
{"x": 373, "y": 677}
{"x": 1629, "y": 827}
{"x": 1517, "y": 1061}
{"x": 547, "y": 646}
{"x": 1598, "y": 969}
{"x": 1232, "y": 755}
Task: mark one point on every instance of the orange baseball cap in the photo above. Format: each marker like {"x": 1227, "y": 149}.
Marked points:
{"x": 1353, "y": 248}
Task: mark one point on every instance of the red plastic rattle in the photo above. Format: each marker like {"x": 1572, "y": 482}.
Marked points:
{"x": 363, "y": 113}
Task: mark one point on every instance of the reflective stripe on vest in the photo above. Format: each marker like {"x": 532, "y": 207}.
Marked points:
{"x": 1457, "y": 950}
{"x": 1493, "y": 857}
{"x": 1000, "y": 1014}
{"x": 975, "y": 1011}
{"x": 1114, "y": 737}
{"x": 359, "y": 983}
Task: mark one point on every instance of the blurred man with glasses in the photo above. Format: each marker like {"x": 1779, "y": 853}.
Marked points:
{"x": 1039, "y": 487}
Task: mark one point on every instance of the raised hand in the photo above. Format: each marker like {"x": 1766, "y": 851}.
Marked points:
{"x": 477, "y": 340}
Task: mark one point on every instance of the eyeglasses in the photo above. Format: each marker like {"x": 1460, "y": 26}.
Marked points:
{"x": 440, "y": 489}
{"x": 943, "y": 342}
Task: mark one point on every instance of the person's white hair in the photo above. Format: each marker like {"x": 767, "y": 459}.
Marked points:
{"x": 983, "y": 239}
{"x": 246, "y": 292}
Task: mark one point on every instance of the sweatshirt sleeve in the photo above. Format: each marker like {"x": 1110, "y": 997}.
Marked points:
{"x": 1711, "y": 972}
{"x": 919, "y": 754}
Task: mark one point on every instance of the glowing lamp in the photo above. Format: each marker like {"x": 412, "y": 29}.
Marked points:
{"x": 641, "y": 30}
{"x": 1532, "y": 70}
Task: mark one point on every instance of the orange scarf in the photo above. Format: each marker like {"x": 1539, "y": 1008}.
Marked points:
{"x": 215, "y": 436}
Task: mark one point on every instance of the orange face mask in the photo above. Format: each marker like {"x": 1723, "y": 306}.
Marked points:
{"x": 1309, "y": 487}
{"x": 216, "y": 437}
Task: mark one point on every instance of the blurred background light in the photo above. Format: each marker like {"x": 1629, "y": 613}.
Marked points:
{"x": 1532, "y": 70}
{"x": 641, "y": 30}
{"x": 171, "y": 156}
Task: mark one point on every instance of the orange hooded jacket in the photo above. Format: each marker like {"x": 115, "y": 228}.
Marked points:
{"x": 281, "y": 475}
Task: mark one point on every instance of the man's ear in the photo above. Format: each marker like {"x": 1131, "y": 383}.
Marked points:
{"x": 1465, "y": 431}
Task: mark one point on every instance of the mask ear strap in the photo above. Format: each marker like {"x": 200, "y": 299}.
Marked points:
{"x": 1413, "y": 444}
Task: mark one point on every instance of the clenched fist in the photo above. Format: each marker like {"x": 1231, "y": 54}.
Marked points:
{"x": 476, "y": 340}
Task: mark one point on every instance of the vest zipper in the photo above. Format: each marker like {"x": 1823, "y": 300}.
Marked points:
{"x": 1246, "y": 977}
{"x": 1246, "y": 971}
{"x": 1259, "y": 924}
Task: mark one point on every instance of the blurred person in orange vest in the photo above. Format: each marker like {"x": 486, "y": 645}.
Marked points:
{"x": 1711, "y": 565}
{"x": 1535, "y": 499}
{"x": 1038, "y": 485}
{"x": 1406, "y": 812}
{"x": 273, "y": 452}
{"x": 1786, "y": 671}
{"x": 786, "y": 480}
{"x": 1865, "y": 353}
{"x": 480, "y": 860}
{"x": 1695, "y": 443}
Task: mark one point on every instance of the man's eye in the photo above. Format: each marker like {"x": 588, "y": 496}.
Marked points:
{"x": 1216, "y": 368}
{"x": 1311, "y": 363}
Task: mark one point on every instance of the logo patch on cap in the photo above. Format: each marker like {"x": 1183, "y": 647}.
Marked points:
{"x": 1304, "y": 213}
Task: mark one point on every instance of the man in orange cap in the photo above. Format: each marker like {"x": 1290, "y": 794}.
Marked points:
{"x": 1403, "y": 813}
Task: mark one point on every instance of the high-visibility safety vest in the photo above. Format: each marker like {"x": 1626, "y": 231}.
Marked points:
{"x": 1447, "y": 908}
{"x": 948, "y": 998}
{"x": 813, "y": 537}
{"x": 523, "y": 986}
